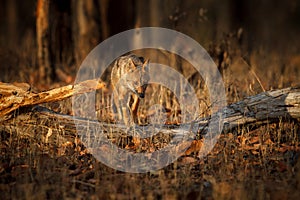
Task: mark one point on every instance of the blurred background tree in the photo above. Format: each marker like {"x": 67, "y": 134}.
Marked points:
{"x": 54, "y": 36}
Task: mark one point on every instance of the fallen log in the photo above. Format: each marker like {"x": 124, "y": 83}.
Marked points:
{"x": 266, "y": 107}
{"x": 17, "y": 95}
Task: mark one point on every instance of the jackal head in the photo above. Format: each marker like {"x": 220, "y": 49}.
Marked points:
{"x": 137, "y": 79}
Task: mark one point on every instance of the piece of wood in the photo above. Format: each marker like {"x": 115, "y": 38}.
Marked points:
{"x": 13, "y": 96}
{"x": 266, "y": 107}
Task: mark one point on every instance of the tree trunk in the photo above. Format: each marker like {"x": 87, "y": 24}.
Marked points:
{"x": 43, "y": 40}
{"x": 86, "y": 28}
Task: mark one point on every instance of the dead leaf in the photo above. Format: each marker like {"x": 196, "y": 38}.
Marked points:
{"x": 195, "y": 147}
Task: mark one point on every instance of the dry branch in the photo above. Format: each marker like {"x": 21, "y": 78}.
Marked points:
{"x": 270, "y": 106}
{"x": 266, "y": 107}
{"x": 14, "y": 96}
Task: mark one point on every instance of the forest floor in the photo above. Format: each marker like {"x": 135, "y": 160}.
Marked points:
{"x": 248, "y": 163}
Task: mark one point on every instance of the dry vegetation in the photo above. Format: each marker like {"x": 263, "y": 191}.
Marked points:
{"x": 246, "y": 163}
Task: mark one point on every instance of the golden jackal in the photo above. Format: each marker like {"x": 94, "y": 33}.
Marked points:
{"x": 129, "y": 78}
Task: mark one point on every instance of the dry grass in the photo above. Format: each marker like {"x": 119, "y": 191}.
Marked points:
{"x": 248, "y": 163}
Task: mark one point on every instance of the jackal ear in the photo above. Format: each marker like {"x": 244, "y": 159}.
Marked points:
{"x": 131, "y": 61}
{"x": 142, "y": 59}
{"x": 146, "y": 65}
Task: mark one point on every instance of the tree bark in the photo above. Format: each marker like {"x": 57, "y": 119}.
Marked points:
{"x": 54, "y": 39}
{"x": 86, "y": 28}
{"x": 17, "y": 95}
{"x": 43, "y": 40}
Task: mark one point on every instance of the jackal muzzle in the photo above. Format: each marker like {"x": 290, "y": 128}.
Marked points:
{"x": 141, "y": 91}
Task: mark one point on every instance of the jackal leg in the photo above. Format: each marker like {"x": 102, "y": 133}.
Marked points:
{"x": 116, "y": 107}
{"x": 134, "y": 105}
{"x": 127, "y": 117}
{"x": 123, "y": 110}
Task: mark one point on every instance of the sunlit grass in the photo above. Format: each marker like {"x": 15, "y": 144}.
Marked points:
{"x": 246, "y": 163}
